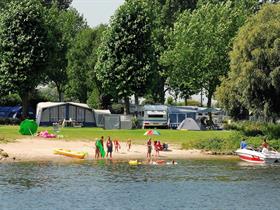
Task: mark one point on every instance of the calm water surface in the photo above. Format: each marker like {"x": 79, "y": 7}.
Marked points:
{"x": 192, "y": 184}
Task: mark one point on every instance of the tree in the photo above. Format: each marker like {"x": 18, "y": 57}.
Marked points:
{"x": 3, "y": 3}
{"x": 82, "y": 58}
{"x": 199, "y": 46}
{"x": 255, "y": 64}
{"x": 62, "y": 4}
{"x": 125, "y": 56}
{"x": 164, "y": 14}
{"x": 24, "y": 48}
{"x": 62, "y": 26}
{"x": 229, "y": 99}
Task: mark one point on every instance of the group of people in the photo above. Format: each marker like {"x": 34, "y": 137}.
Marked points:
{"x": 109, "y": 146}
{"x": 157, "y": 147}
{"x": 100, "y": 149}
{"x": 263, "y": 146}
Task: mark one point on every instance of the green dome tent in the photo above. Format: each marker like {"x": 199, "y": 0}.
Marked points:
{"x": 28, "y": 127}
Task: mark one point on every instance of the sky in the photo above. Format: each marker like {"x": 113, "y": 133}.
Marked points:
{"x": 96, "y": 11}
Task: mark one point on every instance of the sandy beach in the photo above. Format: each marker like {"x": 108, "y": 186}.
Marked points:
{"x": 40, "y": 149}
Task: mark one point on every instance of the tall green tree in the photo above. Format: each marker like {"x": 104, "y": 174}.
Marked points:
{"x": 125, "y": 57}
{"x": 255, "y": 64}
{"x": 24, "y": 48}
{"x": 62, "y": 4}
{"x": 164, "y": 14}
{"x": 63, "y": 26}
{"x": 82, "y": 58}
{"x": 199, "y": 46}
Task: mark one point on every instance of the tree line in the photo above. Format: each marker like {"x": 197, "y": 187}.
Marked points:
{"x": 148, "y": 48}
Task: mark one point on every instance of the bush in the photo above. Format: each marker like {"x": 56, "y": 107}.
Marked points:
{"x": 272, "y": 131}
{"x": 9, "y": 121}
{"x": 10, "y": 100}
{"x": 117, "y": 109}
{"x": 135, "y": 123}
{"x": 248, "y": 128}
{"x": 193, "y": 103}
{"x": 275, "y": 144}
{"x": 216, "y": 144}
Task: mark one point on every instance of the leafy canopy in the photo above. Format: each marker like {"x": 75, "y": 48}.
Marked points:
{"x": 124, "y": 58}
{"x": 82, "y": 58}
{"x": 24, "y": 47}
{"x": 255, "y": 64}
{"x": 198, "y": 49}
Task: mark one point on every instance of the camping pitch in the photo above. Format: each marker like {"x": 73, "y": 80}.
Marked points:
{"x": 189, "y": 124}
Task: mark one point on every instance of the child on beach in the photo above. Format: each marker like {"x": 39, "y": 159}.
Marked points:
{"x": 149, "y": 148}
{"x": 109, "y": 145}
{"x": 128, "y": 143}
{"x": 117, "y": 145}
{"x": 158, "y": 148}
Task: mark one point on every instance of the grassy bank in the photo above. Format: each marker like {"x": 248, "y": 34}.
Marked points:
{"x": 224, "y": 142}
{"x": 89, "y": 134}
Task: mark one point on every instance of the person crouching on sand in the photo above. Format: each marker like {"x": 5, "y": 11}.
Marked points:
{"x": 109, "y": 145}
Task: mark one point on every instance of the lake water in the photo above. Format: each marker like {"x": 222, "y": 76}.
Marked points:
{"x": 192, "y": 184}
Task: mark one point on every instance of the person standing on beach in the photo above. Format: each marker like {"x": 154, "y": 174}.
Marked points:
{"x": 97, "y": 151}
{"x": 128, "y": 144}
{"x": 149, "y": 148}
{"x": 109, "y": 146}
{"x": 102, "y": 141}
{"x": 117, "y": 145}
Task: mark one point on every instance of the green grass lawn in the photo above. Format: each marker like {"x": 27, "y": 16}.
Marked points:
{"x": 89, "y": 134}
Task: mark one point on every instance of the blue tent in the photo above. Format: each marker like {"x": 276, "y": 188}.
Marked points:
{"x": 14, "y": 112}
{"x": 177, "y": 114}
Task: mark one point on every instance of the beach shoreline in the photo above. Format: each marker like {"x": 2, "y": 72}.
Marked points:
{"x": 40, "y": 149}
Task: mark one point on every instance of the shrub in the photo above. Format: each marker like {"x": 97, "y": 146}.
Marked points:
{"x": 135, "y": 123}
{"x": 117, "y": 109}
{"x": 252, "y": 128}
{"x": 10, "y": 100}
{"x": 248, "y": 128}
{"x": 272, "y": 131}
{"x": 275, "y": 144}
{"x": 9, "y": 121}
{"x": 216, "y": 144}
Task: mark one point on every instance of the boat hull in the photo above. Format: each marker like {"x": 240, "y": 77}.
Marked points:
{"x": 253, "y": 156}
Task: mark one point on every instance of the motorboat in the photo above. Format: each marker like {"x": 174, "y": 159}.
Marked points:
{"x": 255, "y": 156}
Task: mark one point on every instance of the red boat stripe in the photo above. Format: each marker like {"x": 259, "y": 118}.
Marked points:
{"x": 254, "y": 158}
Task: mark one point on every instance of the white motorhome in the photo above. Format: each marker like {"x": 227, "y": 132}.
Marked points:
{"x": 154, "y": 116}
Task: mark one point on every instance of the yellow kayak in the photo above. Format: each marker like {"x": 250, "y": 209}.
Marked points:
{"x": 70, "y": 153}
{"x": 134, "y": 162}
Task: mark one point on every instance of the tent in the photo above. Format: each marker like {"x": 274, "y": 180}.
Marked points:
{"x": 100, "y": 117}
{"x": 116, "y": 121}
{"x": 176, "y": 114}
{"x": 14, "y": 112}
{"x": 189, "y": 124}
{"x": 53, "y": 112}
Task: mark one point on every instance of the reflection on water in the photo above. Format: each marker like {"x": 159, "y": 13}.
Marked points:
{"x": 104, "y": 184}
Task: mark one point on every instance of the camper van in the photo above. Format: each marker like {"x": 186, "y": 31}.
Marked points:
{"x": 154, "y": 116}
